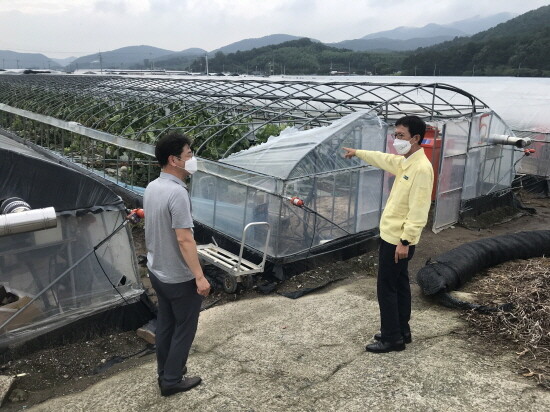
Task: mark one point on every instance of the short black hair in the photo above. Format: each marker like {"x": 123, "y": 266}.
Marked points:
{"x": 415, "y": 124}
{"x": 171, "y": 144}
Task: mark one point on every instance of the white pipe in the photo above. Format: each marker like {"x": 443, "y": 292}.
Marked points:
{"x": 510, "y": 140}
{"x": 28, "y": 221}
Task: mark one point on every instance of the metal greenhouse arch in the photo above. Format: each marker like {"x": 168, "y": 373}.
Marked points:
{"x": 110, "y": 124}
{"x": 113, "y": 113}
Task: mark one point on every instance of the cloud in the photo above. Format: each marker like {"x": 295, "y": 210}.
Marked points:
{"x": 40, "y": 6}
{"x": 86, "y": 26}
{"x": 118, "y": 7}
{"x": 109, "y": 6}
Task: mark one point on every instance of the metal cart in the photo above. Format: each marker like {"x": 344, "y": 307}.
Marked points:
{"x": 237, "y": 270}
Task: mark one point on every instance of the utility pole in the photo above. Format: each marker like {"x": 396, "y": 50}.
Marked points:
{"x": 101, "y": 62}
{"x": 17, "y": 60}
{"x": 435, "y": 66}
{"x": 206, "y": 57}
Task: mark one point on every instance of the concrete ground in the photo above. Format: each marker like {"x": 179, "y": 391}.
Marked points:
{"x": 276, "y": 354}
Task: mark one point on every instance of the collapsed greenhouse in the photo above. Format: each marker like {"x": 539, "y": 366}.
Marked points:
{"x": 65, "y": 251}
{"x": 262, "y": 143}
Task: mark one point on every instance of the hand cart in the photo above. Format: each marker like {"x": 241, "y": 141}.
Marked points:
{"x": 237, "y": 270}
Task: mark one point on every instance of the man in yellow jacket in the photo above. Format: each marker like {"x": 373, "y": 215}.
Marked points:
{"x": 404, "y": 217}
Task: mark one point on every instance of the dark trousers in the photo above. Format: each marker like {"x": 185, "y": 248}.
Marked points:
{"x": 394, "y": 292}
{"x": 179, "y": 306}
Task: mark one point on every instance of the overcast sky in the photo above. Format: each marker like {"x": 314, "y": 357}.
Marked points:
{"x": 64, "y": 28}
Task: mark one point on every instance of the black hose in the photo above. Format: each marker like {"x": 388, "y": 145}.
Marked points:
{"x": 453, "y": 269}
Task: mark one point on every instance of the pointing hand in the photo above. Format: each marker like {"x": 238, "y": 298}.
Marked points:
{"x": 349, "y": 152}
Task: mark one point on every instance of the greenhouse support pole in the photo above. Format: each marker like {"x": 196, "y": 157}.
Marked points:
{"x": 433, "y": 100}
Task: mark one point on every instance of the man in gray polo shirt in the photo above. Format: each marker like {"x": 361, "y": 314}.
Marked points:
{"x": 173, "y": 263}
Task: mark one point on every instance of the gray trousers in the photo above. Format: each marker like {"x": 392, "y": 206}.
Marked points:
{"x": 179, "y": 306}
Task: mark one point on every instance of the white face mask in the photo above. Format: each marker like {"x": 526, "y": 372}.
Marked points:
{"x": 401, "y": 146}
{"x": 191, "y": 165}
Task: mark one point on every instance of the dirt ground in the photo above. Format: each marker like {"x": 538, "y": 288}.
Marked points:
{"x": 71, "y": 368}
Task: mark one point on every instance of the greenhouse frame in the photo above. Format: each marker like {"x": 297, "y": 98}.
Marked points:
{"x": 246, "y": 132}
{"x": 81, "y": 263}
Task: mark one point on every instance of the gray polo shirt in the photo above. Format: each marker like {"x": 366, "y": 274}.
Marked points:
{"x": 167, "y": 207}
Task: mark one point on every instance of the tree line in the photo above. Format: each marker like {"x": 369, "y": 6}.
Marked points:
{"x": 518, "y": 47}
{"x": 301, "y": 56}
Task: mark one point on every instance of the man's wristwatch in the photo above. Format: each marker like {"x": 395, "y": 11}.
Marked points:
{"x": 404, "y": 242}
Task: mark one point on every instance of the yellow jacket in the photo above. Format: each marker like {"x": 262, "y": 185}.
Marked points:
{"x": 407, "y": 208}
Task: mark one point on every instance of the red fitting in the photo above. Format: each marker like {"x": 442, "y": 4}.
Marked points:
{"x": 296, "y": 201}
{"x": 135, "y": 215}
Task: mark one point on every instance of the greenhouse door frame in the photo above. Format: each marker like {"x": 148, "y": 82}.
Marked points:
{"x": 450, "y": 185}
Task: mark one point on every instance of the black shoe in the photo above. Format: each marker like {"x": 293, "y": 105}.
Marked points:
{"x": 407, "y": 337}
{"x": 184, "y": 385}
{"x": 183, "y": 372}
{"x": 384, "y": 347}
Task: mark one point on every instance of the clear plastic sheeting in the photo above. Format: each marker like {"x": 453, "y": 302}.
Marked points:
{"x": 340, "y": 196}
{"x": 489, "y": 167}
{"x": 537, "y": 163}
{"x": 521, "y": 102}
{"x": 54, "y": 276}
{"x": 472, "y": 166}
{"x": 29, "y": 262}
{"x": 297, "y": 153}
{"x": 451, "y": 173}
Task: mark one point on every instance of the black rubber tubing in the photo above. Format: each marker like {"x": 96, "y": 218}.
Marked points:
{"x": 455, "y": 268}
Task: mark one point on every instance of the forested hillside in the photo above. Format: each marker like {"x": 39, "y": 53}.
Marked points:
{"x": 518, "y": 47}
{"x": 302, "y": 57}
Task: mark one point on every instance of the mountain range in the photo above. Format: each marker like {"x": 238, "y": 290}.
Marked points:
{"x": 14, "y": 60}
{"x": 410, "y": 38}
{"x": 398, "y": 39}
